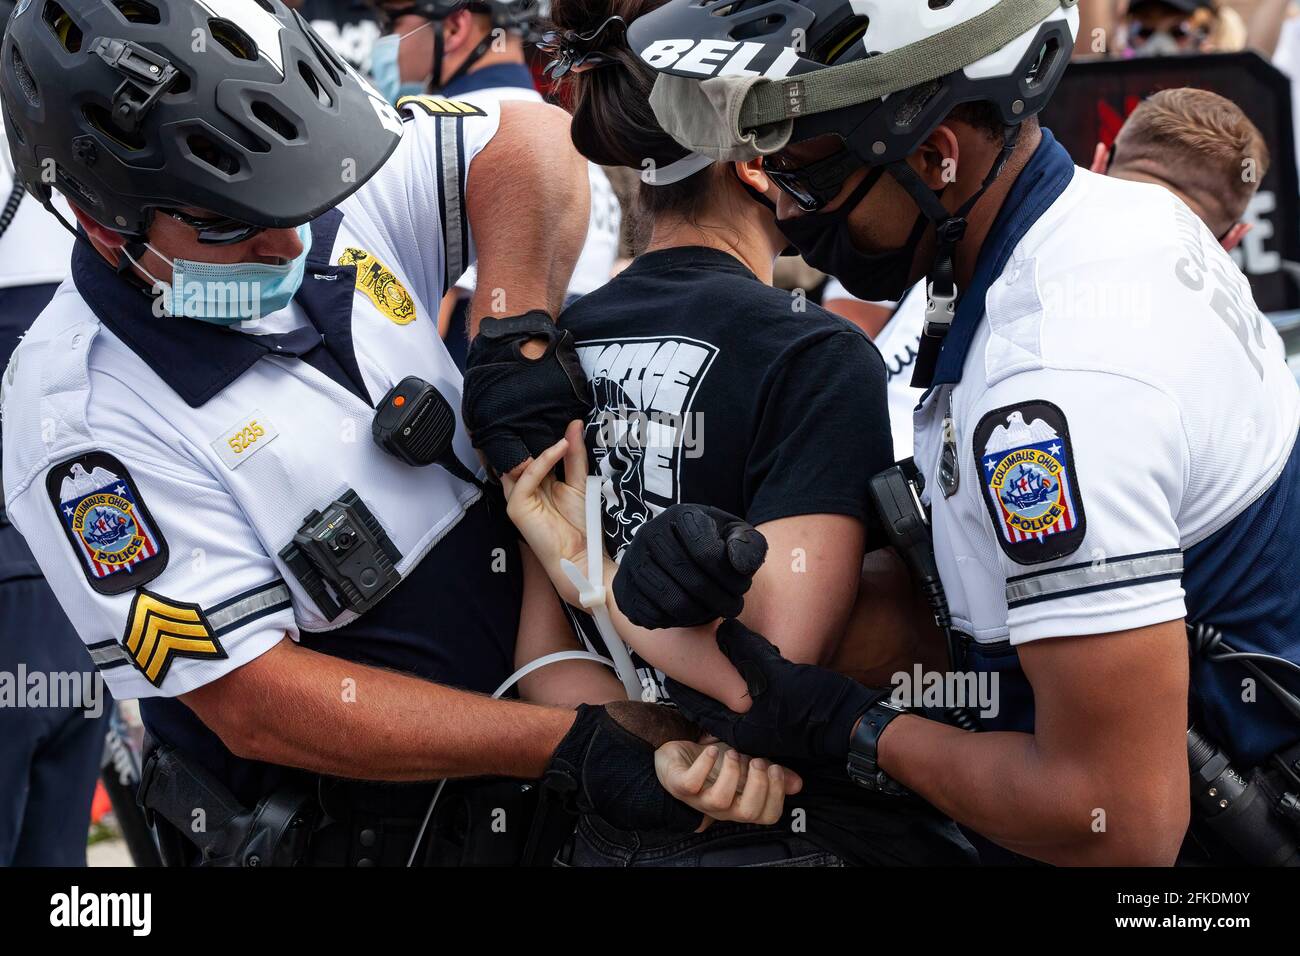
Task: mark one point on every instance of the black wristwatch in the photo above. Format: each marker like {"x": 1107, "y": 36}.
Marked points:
{"x": 863, "y": 768}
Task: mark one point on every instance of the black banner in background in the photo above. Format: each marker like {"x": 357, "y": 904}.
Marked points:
{"x": 1095, "y": 97}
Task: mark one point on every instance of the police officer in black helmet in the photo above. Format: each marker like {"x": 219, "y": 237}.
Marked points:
{"x": 262, "y": 241}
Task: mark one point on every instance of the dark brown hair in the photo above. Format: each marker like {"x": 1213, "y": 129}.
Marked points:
{"x": 613, "y": 124}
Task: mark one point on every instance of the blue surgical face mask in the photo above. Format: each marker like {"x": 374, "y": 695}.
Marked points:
{"x": 385, "y": 70}
{"x": 229, "y": 293}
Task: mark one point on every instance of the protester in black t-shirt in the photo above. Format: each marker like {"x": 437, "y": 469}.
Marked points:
{"x": 712, "y": 387}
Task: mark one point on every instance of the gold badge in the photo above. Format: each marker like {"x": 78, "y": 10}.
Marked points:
{"x": 438, "y": 106}
{"x": 380, "y": 286}
{"x": 159, "y": 630}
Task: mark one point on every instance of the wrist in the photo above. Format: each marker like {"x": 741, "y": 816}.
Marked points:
{"x": 863, "y": 765}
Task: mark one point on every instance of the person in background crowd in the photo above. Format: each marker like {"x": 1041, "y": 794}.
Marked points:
{"x": 1201, "y": 147}
{"x": 1168, "y": 27}
{"x": 49, "y": 751}
{"x": 475, "y": 51}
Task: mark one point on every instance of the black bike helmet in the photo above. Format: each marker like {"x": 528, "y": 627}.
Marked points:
{"x": 236, "y": 107}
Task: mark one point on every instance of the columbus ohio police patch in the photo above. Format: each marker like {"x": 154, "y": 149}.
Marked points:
{"x": 119, "y": 545}
{"x": 1026, "y": 466}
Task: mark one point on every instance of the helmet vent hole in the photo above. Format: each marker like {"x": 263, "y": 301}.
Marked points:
{"x": 272, "y": 120}
{"x": 180, "y": 84}
{"x": 138, "y": 11}
{"x": 1041, "y": 67}
{"x": 328, "y": 60}
{"x": 62, "y": 26}
{"x": 26, "y": 82}
{"x": 102, "y": 120}
{"x": 235, "y": 40}
{"x": 209, "y": 153}
{"x": 314, "y": 84}
{"x": 266, "y": 5}
{"x": 85, "y": 192}
{"x": 761, "y": 27}
{"x": 940, "y": 4}
{"x": 841, "y": 41}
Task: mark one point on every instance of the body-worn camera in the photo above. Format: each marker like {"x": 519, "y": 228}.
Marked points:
{"x": 342, "y": 557}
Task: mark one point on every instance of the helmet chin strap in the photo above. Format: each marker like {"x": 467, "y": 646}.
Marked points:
{"x": 941, "y": 283}
{"x": 475, "y": 55}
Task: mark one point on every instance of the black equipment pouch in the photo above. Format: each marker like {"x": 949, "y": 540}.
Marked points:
{"x": 896, "y": 493}
{"x": 488, "y": 823}
{"x": 1255, "y": 816}
{"x": 343, "y": 558}
{"x": 186, "y": 804}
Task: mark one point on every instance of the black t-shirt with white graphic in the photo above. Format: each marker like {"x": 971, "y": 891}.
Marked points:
{"x": 711, "y": 387}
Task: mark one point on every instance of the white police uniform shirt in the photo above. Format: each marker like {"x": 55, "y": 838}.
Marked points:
{"x": 1123, "y": 429}
{"x": 898, "y": 342}
{"x": 156, "y": 466}
{"x": 503, "y": 82}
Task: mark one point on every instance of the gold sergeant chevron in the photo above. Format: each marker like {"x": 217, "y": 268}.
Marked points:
{"x": 159, "y": 630}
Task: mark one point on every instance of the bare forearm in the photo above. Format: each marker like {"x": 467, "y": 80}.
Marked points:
{"x": 303, "y": 709}
{"x": 544, "y": 629}
{"x": 1095, "y": 16}
{"x": 1265, "y": 26}
{"x": 525, "y": 261}
{"x": 1002, "y": 786}
{"x": 687, "y": 654}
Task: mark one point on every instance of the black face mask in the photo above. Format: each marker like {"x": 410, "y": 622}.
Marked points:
{"x": 826, "y": 242}
{"x": 767, "y": 204}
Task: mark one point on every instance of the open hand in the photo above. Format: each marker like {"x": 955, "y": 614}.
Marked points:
{"x": 549, "y": 513}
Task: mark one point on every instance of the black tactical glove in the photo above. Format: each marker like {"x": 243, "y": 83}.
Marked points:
{"x": 607, "y": 762}
{"x": 799, "y": 712}
{"x": 514, "y": 406}
{"x": 689, "y": 565}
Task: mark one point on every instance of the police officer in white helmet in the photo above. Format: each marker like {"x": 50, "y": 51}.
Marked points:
{"x": 1107, "y": 439}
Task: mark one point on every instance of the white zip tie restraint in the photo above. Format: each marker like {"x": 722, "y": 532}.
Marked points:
{"x": 592, "y": 599}
{"x": 592, "y": 595}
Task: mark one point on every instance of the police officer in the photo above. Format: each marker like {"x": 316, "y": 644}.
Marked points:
{"x": 1107, "y": 439}
{"x": 475, "y": 51}
{"x": 188, "y": 428}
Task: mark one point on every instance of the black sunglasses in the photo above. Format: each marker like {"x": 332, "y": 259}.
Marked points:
{"x": 216, "y": 231}
{"x": 816, "y": 184}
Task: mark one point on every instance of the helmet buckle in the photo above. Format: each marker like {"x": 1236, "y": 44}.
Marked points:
{"x": 940, "y": 310}
{"x": 148, "y": 76}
